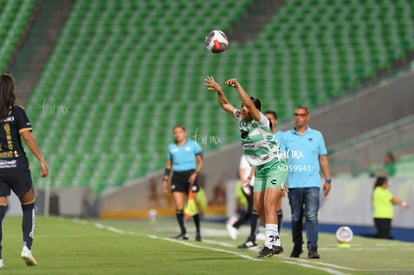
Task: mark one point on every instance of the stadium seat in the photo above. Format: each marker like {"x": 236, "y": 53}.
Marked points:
{"x": 128, "y": 71}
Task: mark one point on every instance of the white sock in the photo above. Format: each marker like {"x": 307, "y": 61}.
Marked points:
{"x": 277, "y": 239}
{"x": 271, "y": 236}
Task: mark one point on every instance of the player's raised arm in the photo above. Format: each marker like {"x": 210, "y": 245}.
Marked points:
{"x": 247, "y": 101}
{"x": 222, "y": 99}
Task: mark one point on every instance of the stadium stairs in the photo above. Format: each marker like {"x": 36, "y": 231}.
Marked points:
{"x": 45, "y": 24}
{"x": 356, "y": 156}
{"x": 15, "y": 19}
{"x": 252, "y": 21}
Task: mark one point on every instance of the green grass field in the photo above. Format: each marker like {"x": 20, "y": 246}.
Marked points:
{"x": 73, "y": 246}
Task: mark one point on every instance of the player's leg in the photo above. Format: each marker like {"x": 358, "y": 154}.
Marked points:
{"x": 4, "y": 193}
{"x": 257, "y": 199}
{"x": 267, "y": 250}
{"x": 244, "y": 218}
{"x": 3, "y": 207}
{"x": 272, "y": 237}
{"x": 196, "y": 218}
{"x": 259, "y": 189}
{"x": 276, "y": 180}
{"x": 21, "y": 184}
{"x": 179, "y": 186}
{"x": 179, "y": 198}
{"x": 29, "y": 217}
{"x": 259, "y": 205}
{"x": 279, "y": 213}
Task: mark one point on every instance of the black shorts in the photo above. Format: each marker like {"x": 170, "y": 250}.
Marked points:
{"x": 179, "y": 182}
{"x": 18, "y": 181}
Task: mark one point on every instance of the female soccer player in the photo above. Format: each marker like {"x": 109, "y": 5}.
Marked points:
{"x": 14, "y": 167}
{"x": 185, "y": 159}
{"x": 262, "y": 152}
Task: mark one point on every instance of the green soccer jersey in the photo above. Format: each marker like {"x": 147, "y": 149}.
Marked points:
{"x": 259, "y": 145}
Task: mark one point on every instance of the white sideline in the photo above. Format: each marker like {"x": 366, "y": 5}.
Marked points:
{"x": 287, "y": 259}
{"x": 326, "y": 267}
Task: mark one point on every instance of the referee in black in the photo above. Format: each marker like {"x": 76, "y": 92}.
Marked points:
{"x": 185, "y": 159}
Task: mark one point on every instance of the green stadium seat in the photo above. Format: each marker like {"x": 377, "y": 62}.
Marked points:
{"x": 125, "y": 71}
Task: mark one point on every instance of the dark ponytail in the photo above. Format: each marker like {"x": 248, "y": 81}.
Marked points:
{"x": 7, "y": 97}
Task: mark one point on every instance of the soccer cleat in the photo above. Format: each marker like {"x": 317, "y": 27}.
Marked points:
{"x": 28, "y": 257}
{"x": 297, "y": 250}
{"x": 232, "y": 231}
{"x": 247, "y": 244}
{"x": 265, "y": 253}
{"x": 1, "y": 263}
{"x": 277, "y": 250}
{"x": 313, "y": 254}
{"x": 198, "y": 237}
{"x": 181, "y": 236}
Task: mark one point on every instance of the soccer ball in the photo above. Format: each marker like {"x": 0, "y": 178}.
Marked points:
{"x": 344, "y": 234}
{"x": 216, "y": 41}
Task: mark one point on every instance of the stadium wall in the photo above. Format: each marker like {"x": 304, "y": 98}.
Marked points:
{"x": 390, "y": 100}
{"x": 350, "y": 203}
{"x": 359, "y": 153}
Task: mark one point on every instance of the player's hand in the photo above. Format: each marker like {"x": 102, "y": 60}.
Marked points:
{"x": 232, "y": 82}
{"x": 246, "y": 182}
{"x": 326, "y": 189}
{"x": 44, "y": 169}
{"x": 165, "y": 186}
{"x": 212, "y": 84}
{"x": 405, "y": 205}
{"x": 192, "y": 178}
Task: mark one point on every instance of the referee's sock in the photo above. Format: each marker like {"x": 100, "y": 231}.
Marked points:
{"x": 179, "y": 214}
{"x": 253, "y": 226}
{"x": 28, "y": 224}
{"x": 2, "y": 214}
{"x": 279, "y": 214}
{"x": 196, "y": 219}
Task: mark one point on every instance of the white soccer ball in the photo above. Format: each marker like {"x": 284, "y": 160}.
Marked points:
{"x": 344, "y": 234}
{"x": 217, "y": 41}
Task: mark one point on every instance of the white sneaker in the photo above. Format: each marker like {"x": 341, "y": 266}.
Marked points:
{"x": 1, "y": 263}
{"x": 28, "y": 257}
{"x": 232, "y": 231}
